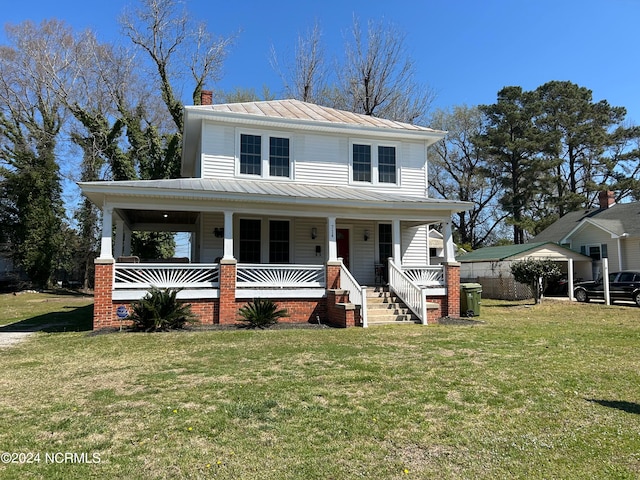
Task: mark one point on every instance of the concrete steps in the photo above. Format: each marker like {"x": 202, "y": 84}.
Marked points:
{"x": 385, "y": 308}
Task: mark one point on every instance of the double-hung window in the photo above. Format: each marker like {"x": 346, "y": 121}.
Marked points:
{"x": 265, "y": 156}
{"x": 278, "y": 157}
{"x": 373, "y": 163}
{"x": 361, "y": 163}
{"x": 386, "y": 164}
{"x": 250, "y": 240}
{"x": 250, "y": 154}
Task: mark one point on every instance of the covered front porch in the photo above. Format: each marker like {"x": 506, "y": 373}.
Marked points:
{"x": 315, "y": 260}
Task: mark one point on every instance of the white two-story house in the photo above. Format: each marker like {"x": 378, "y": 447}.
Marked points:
{"x": 288, "y": 200}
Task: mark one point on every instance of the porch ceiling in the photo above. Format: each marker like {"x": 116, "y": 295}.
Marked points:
{"x": 136, "y": 217}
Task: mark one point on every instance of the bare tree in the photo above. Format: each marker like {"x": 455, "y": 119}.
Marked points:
{"x": 31, "y": 118}
{"x": 378, "y": 76}
{"x": 459, "y": 171}
{"x": 173, "y": 43}
{"x": 305, "y": 77}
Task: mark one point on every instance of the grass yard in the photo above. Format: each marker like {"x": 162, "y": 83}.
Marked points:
{"x": 550, "y": 391}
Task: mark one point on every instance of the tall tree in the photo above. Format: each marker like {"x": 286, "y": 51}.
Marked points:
{"x": 459, "y": 170}
{"x": 30, "y": 121}
{"x": 518, "y": 152}
{"x": 585, "y": 130}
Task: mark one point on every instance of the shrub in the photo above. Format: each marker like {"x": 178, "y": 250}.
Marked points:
{"x": 261, "y": 313}
{"x": 160, "y": 311}
{"x": 536, "y": 273}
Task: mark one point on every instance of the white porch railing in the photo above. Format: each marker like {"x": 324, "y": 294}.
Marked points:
{"x": 357, "y": 294}
{"x": 143, "y": 276}
{"x": 253, "y": 275}
{"x": 426, "y": 275}
{"x": 413, "y": 295}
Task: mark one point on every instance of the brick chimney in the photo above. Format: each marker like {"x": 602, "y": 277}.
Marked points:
{"x": 206, "y": 97}
{"x": 606, "y": 198}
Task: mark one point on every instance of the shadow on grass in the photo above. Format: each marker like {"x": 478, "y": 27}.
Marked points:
{"x": 628, "y": 407}
{"x": 75, "y": 319}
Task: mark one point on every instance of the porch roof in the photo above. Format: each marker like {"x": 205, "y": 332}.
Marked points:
{"x": 258, "y": 191}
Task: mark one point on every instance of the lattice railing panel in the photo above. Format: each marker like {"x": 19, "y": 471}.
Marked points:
{"x": 140, "y": 275}
{"x": 280, "y": 276}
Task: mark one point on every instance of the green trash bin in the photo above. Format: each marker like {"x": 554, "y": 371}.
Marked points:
{"x": 470, "y": 294}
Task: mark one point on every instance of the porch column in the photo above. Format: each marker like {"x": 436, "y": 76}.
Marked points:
{"x": 570, "y": 278}
{"x": 228, "y": 236}
{"x": 452, "y": 278}
{"x": 127, "y": 241}
{"x": 449, "y": 252}
{"x": 107, "y": 224}
{"x": 119, "y": 246}
{"x": 397, "y": 251}
{"x": 331, "y": 237}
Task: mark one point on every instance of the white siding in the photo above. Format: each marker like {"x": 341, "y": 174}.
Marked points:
{"x": 304, "y": 247}
{"x": 316, "y": 158}
{"x": 631, "y": 253}
{"x": 210, "y": 246}
{"x": 321, "y": 159}
{"x": 414, "y": 245}
{"x": 218, "y": 151}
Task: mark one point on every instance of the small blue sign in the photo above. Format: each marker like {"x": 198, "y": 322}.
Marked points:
{"x": 122, "y": 312}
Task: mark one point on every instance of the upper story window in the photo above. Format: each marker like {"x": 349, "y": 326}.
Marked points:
{"x": 265, "y": 155}
{"x": 372, "y": 163}
{"x": 250, "y": 154}
{"x": 386, "y": 164}
{"x": 361, "y": 163}
{"x": 278, "y": 157}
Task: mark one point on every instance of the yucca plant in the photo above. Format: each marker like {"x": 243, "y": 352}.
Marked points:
{"x": 160, "y": 311}
{"x": 261, "y": 313}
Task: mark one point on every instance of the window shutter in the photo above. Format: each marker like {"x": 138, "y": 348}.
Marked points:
{"x": 603, "y": 251}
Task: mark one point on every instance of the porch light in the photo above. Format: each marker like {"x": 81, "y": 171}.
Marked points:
{"x": 165, "y": 215}
{"x": 366, "y": 235}
{"x": 218, "y": 232}
{"x": 314, "y": 233}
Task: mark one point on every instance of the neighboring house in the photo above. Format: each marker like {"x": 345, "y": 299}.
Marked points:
{"x": 611, "y": 231}
{"x": 435, "y": 245}
{"x": 285, "y": 200}
{"x": 491, "y": 267}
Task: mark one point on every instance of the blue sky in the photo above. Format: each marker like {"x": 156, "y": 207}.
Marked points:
{"x": 465, "y": 50}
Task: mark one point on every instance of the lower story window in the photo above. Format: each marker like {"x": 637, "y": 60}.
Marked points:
{"x": 278, "y": 241}
{"x": 250, "y": 241}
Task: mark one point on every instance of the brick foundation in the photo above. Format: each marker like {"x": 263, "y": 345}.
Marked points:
{"x": 334, "y": 309}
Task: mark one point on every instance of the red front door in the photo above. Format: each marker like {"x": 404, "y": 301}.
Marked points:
{"x": 343, "y": 245}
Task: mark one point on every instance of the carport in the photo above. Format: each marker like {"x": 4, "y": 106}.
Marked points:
{"x": 491, "y": 267}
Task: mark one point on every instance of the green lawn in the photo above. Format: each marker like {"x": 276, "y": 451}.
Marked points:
{"x": 550, "y": 391}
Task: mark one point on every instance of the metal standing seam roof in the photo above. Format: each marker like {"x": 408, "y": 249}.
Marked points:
{"x": 297, "y": 110}
{"x": 497, "y": 254}
{"x": 242, "y": 188}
